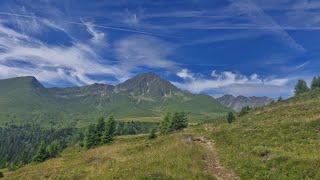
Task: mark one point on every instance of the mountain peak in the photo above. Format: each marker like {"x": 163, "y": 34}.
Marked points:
{"x": 237, "y": 103}
{"x": 148, "y": 83}
{"x": 23, "y": 84}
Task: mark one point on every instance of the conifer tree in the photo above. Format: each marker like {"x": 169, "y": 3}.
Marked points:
{"x": 166, "y": 124}
{"x": 100, "y": 128}
{"x": 41, "y": 154}
{"x": 315, "y": 83}
{"x": 301, "y": 87}
{"x": 179, "y": 120}
{"x": 231, "y": 117}
{"x": 110, "y": 131}
{"x": 53, "y": 149}
{"x": 91, "y": 138}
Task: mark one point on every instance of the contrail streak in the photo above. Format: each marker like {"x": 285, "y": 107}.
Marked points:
{"x": 98, "y": 26}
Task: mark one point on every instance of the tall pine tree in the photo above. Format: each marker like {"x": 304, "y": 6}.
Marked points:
{"x": 166, "y": 124}
{"x": 179, "y": 120}
{"x": 91, "y": 139}
{"x": 231, "y": 117}
{"x": 110, "y": 131}
{"x": 315, "y": 83}
{"x": 53, "y": 149}
{"x": 41, "y": 154}
{"x": 301, "y": 87}
{"x": 100, "y": 128}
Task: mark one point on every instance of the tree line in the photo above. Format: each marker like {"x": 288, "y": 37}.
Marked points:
{"x": 103, "y": 132}
{"x": 302, "y": 87}
{"x": 173, "y": 122}
{"x": 45, "y": 152}
{"x": 26, "y": 143}
{"x": 100, "y": 133}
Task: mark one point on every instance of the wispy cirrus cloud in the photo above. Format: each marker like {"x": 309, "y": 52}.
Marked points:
{"x": 76, "y": 61}
{"x": 247, "y": 17}
{"x": 144, "y": 51}
{"x": 49, "y": 63}
{"x": 98, "y": 37}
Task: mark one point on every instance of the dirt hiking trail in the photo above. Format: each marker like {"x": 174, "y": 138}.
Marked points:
{"x": 213, "y": 164}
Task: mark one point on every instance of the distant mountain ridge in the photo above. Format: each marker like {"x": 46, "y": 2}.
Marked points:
{"x": 237, "y": 103}
{"x": 146, "y": 95}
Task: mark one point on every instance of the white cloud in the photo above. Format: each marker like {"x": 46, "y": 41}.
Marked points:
{"x": 232, "y": 83}
{"x": 214, "y": 73}
{"x": 77, "y": 62}
{"x": 185, "y": 74}
{"x": 49, "y": 62}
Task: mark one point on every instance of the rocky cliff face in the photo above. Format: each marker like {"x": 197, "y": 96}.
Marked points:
{"x": 237, "y": 103}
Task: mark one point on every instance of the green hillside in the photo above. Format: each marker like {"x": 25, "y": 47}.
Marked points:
{"x": 146, "y": 96}
{"x": 279, "y": 141}
{"x": 24, "y": 100}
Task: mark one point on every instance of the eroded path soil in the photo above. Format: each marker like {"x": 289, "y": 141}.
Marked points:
{"x": 213, "y": 165}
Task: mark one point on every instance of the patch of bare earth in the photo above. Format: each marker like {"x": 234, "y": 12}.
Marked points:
{"x": 213, "y": 164}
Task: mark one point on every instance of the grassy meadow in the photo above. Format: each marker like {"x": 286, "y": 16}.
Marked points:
{"x": 130, "y": 157}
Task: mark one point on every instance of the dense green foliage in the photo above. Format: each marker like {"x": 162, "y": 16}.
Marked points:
{"x": 179, "y": 120}
{"x": 109, "y": 132}
{"x": 301, "y": 87}
{"x": 315, "y": 83}
{"x": 166, "y": 123}
{"x": 104, "y": 132}
{"x": 100, "y": 133}
{"x": 173, "y": 121}
{"x": 134, "y": 127}
{"x": 231, "y": 117}
{"x": 18, "y": 143}
{"x": 91, "y": 137}
{"x": 53, "y": 149}
{"x": 41, "y": 154}
{"x": 45, "y": 152}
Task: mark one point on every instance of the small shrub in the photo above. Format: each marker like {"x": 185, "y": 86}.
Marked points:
{"x": 1, "y": 174}
{"x": 153, "y": 134}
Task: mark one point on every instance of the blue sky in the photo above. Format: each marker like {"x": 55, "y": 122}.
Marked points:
{"x": 247, "y": 47}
